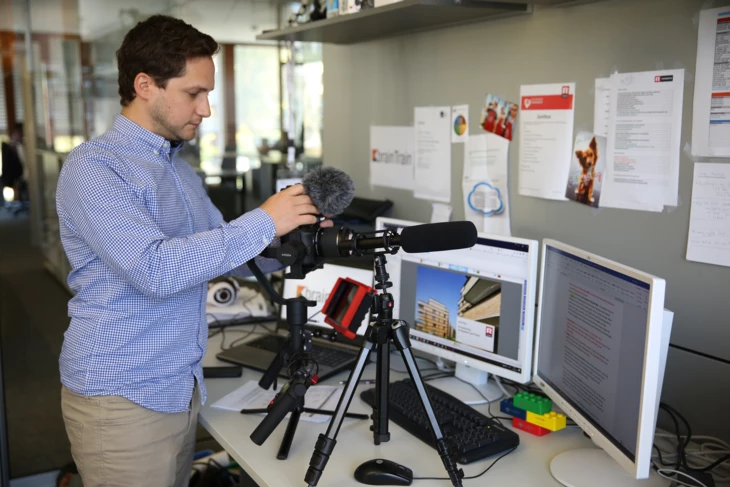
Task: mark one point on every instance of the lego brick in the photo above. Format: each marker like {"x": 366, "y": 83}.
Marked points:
{"x": 552, "y": 420}
{"x": 529, "y": 427}
{"x": 533, "y": 402}
{"x": 507, "y": 407}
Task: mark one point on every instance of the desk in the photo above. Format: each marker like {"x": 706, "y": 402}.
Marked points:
{"x": 526, "y": 466}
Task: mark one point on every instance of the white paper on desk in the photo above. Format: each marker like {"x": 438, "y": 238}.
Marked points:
{"x": 433, "y": 153}
{"x": 459, "y": 124}
{"x": 709, "y": 221}
{"x": 602, "y": 107}
{"x": 251, "y": 396}
{"x": 391, "y": 157}
{"x": 711, "y": 116}
{"x": 484, "y": 186}
{"x": 546, "y": 139}
{"x": 642, "y": 164}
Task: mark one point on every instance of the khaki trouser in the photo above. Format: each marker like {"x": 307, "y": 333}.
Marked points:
{"x": 116, "y": 442}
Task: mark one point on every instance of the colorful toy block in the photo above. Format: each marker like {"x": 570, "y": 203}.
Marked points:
{"x": 552, "y": 420}
{"x": 508, "y": 407}
{"x": 533, "y": 403}
{"x": 529, "y": 427}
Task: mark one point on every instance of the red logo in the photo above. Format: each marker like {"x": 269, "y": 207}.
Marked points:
{"x": 565, "y": 90}
{"x": 489, "y": 331}
{"x": 374, "y": 155}
{"x": 657, "y": 79}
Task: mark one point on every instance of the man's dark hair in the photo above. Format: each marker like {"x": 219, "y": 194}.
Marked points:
{"x": 159, "y": 46}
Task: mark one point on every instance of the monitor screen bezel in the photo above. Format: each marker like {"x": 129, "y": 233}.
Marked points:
{"x": 650, "y": 383}
{"x": 525, "y": 356}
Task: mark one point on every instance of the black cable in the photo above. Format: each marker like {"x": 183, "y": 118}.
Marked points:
{"x": 473, "y": 476}
{"x": 661, "y": 459}
{"x": 712, "y": 465}
{"x": 489, "y": 403}
{"x": 680, "y": 445}
{"x": 437, "y": 375}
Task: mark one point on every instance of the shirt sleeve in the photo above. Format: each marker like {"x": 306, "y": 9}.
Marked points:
{"x": 266, "y": 265}
{"x": 96, "y": 204}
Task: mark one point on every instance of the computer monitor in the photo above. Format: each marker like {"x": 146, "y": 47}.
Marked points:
{"x": 602, "y": 338}
{"x": 473, "y": 306}
{"x": 317, "y": 285}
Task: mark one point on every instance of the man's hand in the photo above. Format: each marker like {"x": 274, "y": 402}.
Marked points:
{"x": 291, "y": 208}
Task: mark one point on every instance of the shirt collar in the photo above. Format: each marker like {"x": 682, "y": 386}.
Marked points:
{"x": 156, "y": 143}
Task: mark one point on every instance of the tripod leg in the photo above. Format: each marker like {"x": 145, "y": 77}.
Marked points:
{"x": 403, "y": 344}
{"x": 272, "y": 371}
{"x": 327, "y": 441}
{"x": 382, "y": 384}
{"x": 291, "y": 428}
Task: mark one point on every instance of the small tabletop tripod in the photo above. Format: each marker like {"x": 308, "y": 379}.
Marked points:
{"x": 294, "y": 354}
{"x": 379, "y": 334}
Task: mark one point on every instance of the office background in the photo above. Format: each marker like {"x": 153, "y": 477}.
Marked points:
{"x": 380, "y": 82}
{"x": 341, "y": 91}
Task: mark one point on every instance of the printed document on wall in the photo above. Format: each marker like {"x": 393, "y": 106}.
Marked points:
{"x": 546, "y": 139}
{"x": 711, "y": 117}
{"x": 484, "y": 186}
{"x": 432, "y": 126}
{"x": 709, "y": 220}
{"x": 642, "y": 166}
{"x": 391, "y": 157}
{"x": 602, "y": 107}
{"x": 440, "y": 213}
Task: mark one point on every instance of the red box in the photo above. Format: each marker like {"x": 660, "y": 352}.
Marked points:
{"x": 529, "y": 427}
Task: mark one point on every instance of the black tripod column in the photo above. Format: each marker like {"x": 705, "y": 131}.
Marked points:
{"x": 380, "y": 335}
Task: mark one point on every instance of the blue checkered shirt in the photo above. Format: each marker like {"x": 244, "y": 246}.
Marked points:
{"x": 143, "y": 240}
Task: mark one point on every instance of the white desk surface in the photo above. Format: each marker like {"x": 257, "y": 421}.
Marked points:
{"x": 526, "y": 466}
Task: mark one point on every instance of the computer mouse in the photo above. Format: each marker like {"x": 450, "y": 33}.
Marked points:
{"x": 383, "y": 472}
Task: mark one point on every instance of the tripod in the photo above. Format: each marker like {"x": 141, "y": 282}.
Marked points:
{"x": 379, "y": 334}
{"x": 294, "y": 353}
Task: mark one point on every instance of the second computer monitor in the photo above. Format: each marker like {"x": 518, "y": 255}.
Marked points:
{"x": 474, "y": 306}
{"x": 601, "y": 346}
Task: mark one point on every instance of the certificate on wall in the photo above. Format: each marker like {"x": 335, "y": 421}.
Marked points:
{"x": 642, "y": 165}
{"x": 711, "y": 117}
{"x": 432, "y": 126}
{"x": 546, "y": 139}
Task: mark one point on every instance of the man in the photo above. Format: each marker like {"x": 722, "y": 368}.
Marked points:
{"x": 12, "y": 163}
{"x": 143, "y": 239}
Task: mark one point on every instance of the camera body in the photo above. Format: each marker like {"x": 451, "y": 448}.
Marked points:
{"x": 304, "y": 249}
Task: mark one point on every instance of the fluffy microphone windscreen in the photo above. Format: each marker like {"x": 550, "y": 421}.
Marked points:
{"x": 434, "y": 237}
{"x": 331, "y": 190}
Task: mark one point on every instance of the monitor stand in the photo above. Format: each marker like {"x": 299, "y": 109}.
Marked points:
{"x": 593, "y": 467}
{"x": 465, "y": 392}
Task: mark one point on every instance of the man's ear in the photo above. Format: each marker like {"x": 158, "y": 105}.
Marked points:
{"x": 145, "y": 87}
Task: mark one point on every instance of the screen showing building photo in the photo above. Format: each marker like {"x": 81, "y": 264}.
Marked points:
{"x": 458, "y": 307}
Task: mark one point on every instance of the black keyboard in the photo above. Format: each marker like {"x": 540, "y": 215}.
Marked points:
{"x": 329, "y": 356}
{"x": 473, "y": 435}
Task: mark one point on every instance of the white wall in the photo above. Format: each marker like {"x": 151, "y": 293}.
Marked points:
{"x": 380, "y": 82}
